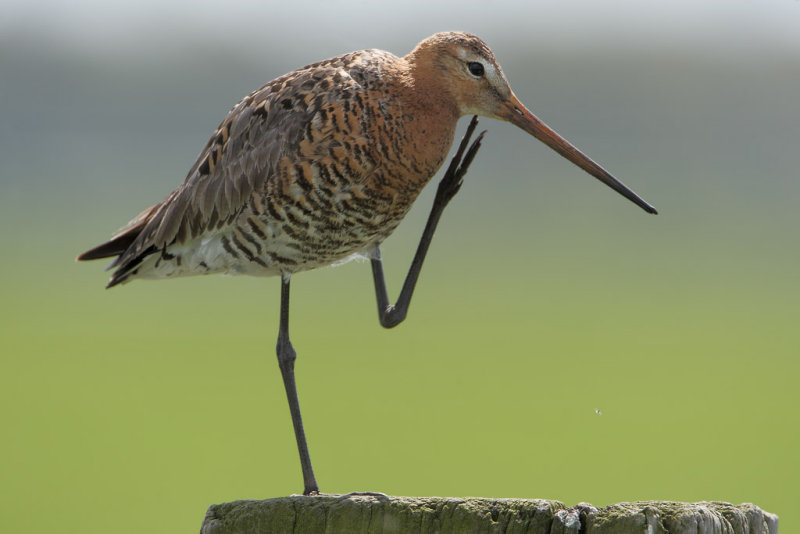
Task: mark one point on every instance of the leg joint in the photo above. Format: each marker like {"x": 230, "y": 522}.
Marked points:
{"x": 286, "y": 352}
{"x": 392, "y": 316}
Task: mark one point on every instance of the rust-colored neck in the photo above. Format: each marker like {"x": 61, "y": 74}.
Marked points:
{"x": 430, "y": 112}
{"x": 428, "y": 84}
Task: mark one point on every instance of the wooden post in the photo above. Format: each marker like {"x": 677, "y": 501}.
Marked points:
{"x": 377, "y": 514}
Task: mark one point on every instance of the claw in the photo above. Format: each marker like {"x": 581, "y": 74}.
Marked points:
{"x": 454, "y": 177}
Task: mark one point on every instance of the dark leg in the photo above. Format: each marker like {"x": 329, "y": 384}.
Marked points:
{"x": 286, "y": 358}
{"x": 392, "y": 315}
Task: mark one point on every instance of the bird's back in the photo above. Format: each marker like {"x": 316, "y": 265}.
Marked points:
{"x": 311, "y": 168}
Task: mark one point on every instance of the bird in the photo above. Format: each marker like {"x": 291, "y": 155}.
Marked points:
{"x": 320, "y": 165}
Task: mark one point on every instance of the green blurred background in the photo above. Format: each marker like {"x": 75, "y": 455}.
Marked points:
{"x": 545, "y": 299}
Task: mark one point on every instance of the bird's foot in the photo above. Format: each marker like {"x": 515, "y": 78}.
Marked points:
{"x": 454, "y": 177}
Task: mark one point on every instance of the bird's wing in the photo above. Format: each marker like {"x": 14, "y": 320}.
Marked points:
{"x": 237, "y": 161}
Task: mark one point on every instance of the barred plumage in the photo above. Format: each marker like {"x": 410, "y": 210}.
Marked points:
{"x": 307, "y": 169}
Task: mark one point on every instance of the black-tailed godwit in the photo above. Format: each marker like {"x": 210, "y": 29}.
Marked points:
{"x": 322, "y": 164}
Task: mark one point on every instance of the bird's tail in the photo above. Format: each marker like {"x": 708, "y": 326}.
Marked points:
{"x": 119, "y": 244}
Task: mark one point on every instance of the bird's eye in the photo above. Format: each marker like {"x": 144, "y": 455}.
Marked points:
{"x": 475, "y": 68}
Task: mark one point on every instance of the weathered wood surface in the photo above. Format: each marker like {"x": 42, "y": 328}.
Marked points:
{"x": 334, "y": 514}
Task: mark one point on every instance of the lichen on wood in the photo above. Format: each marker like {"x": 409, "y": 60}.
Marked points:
{"x": 378, "y": 514}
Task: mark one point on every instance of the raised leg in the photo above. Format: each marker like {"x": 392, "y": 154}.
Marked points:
{"x": 393, "y": 314}
{"x": 286, "y": 358}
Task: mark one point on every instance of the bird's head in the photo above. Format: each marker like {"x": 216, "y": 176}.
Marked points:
{"x": 471, "y": 75}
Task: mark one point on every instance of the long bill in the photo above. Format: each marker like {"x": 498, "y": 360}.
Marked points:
{"x": 519, "y": 115}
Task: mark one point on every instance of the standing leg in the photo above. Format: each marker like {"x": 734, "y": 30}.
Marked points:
{"x": 393, "y": 314}
{"x": 286, "y": 358}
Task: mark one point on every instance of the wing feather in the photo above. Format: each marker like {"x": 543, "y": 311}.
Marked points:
{"x": 237, "y": 161}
